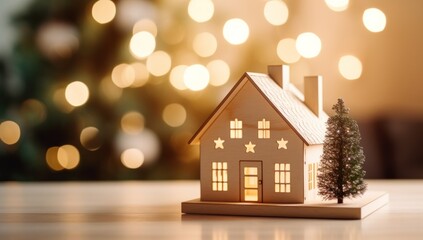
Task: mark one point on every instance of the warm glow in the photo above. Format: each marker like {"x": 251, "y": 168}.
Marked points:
{"x": 236, "y": 31}
{"x": 350, "y": 67}
{"x": 159, "y": 63}
{"x": 132, "y": 158}
{"x": 10, "y": 132}
{"x": 276, "y": 12}
{"x": 132, "y": 122}
{"x": 146, "y": 25}
{"x": 57, "y": 40}
{"x": 123, "y": 75}
{"x": 89, "y": 138}
{"x": 374, "y": 20}
{"x": 103, "y": 11}
{"x": 142, "y": 44}
{"x": 308, "y": 45}
{"x": 68, "y": 156}
{"x": 337, "y": 5}
{"x": 146, "y": 141}
{"x": 287, "y": 51}
{"x": 174, "y": 115}
{"x": 196, "y": 77}
{"x": 77, "y": 93}
{"x": 205, "y": 44}
{"x": 60, "y": 100}
{"x": 51, "y": 159}
{"x": 177, "y": 77}
{"x": 201, "y": 10}
{"x": 219, "y": 72}
{"x": 109, "y": 91}
{"x": 33, "y": 111}
{"x": 141, "y": 74}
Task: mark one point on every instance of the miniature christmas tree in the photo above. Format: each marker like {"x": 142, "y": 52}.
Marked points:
{"x": 341, "y": 170}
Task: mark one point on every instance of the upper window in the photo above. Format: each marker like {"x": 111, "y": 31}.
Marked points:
{"x": 263, "y": 127}
{"x": 236, "y": 128}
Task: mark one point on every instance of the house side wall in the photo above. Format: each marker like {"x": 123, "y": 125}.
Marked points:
{"x": 249, "y": 106}
{"x": 313, "y": 154}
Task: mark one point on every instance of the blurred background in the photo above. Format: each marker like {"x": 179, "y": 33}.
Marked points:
{"x": 113, "y": 90}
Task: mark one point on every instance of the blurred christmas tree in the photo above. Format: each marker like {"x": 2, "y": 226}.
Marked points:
{"x": 81, "y": 110}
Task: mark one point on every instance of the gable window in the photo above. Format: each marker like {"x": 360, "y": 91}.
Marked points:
{"x": 236, "y": 128}
{"x": 312, "y": 176}
{"x": 219, "y": 176}
{"x": 263, "y": 127}
{"x": 282, "y": 177}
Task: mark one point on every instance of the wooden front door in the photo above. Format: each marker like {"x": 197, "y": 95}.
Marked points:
{"x": 251, "y": 181}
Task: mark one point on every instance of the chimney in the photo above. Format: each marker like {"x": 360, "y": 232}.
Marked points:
{"x": 280, "y": 74}
{"x": 313, "y": 94}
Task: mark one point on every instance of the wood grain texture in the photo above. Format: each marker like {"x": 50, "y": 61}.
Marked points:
{"x": 151, "y": 210}
{"x": 358, "y": 208}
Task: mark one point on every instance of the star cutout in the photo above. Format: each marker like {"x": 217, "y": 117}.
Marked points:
{"x": 250, "y": 147}
{"x": 282, "y": 144}
{"x": 219, "y": 143}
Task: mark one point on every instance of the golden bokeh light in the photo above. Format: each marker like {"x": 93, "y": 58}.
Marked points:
{"x": 308, "y": 45}
{"x": 109, "y": 91}
{"x": 337, "y": 5}
{"x": 276, "y": 12}
{"x": 146, "y": 25}
{"x": 141, "y": 74}
{"x": 219, "y": 72}
{"x": 90, "y": 139}
{"x": 103, "y": 11}
{"x": 34, "y": 111}
{"x": 374, "y": 20}
{"x": 132, "y": 122}
{"x": 205, "y": 44}
{"x": 123, "y": 75}
{"x": 77, "y": 93}
{"x": 236, "y": 31}
{"x": 68, "y": 156}
{"x": 176, "y": 77}
{"x": 52, "y": 160}
{"x": 60, "y": 100}
{"x": 57, "y": 40}
{"x": 142, "y": 44}
{"x": 174, "y": 115}
{"x": 10, "y": 132}
{"x": 132, "y": 158}
{"x": 201, "y": 10}
{"x": 196, "y": 77}
{"x": 287, "y": 51}
{"x": 350, "y": 67}
{"x": 159, "y": 63}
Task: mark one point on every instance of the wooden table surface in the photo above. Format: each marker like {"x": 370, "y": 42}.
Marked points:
{"x": 151, "y": 210}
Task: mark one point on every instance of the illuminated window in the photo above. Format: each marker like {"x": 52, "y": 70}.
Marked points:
{"x": 220, "y": 176}
{"x": 236, "y": 128}
{"x": 263, "y": 129}
{"x": 282, "y": 177}
{"x": 312, "y": 176}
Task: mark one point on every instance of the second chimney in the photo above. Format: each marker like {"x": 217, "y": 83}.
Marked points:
{"x": 313, "y": 94}
{"x": 280, "y": 74}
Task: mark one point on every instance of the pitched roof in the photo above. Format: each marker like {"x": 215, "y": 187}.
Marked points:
{"x": 288, "y": 103}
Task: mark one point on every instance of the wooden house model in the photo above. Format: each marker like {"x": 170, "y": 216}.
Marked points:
{"x": 264, "y": 141}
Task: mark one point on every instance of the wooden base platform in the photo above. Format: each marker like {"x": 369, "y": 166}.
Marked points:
{"x": 357, "y": 208}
